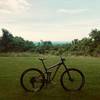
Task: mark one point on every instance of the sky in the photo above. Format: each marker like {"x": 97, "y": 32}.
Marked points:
{"x": 54, "y": 20}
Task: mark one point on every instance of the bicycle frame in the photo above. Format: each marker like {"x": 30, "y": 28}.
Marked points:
{"x": 58, "y": 65}
{"x": 47, "y": 78}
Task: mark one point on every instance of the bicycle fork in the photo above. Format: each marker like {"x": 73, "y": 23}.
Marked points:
{"x": 70, "y": 78}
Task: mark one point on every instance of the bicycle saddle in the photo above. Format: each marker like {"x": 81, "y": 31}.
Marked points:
{"x": 63, "y": 59}
{"x": 42, "y": 59}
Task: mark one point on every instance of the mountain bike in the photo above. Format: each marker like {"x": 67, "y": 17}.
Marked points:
{"x": 33, "y": 79}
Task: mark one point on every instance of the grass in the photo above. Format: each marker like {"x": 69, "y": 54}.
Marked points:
{"x": 18, "y": 54}
{"x": 12, "y": 67}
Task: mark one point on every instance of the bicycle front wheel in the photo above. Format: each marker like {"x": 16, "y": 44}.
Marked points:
{"x": 32, "y": 80}
{"x": 73, "y": 83}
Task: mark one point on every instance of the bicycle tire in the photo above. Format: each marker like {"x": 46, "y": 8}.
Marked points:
{"x": 81, "y": 84}
{"x": 33, "y": 70}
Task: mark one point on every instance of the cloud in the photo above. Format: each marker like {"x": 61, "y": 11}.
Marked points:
{"x": 13, "y": 6}
{"x": 72, "y": 11}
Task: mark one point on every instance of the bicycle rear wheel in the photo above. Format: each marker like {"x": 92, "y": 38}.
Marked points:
{"x": 75, "y": 83}
{"x": 32, "y": 80}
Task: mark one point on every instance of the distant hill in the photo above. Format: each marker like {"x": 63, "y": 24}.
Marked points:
{"x": 59, "y": 42}
{"x": 53, "y": 42}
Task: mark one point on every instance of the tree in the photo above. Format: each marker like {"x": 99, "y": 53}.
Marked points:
{"x": 44, "y": 46}
{"x": 74, "y": 45}
{"x": 9, "y": 43}
{"x": 19, "y": 44}
{"x": 95, "y": 35}
{"x": 85, "y": 46}
{"x": 6, "y": 40}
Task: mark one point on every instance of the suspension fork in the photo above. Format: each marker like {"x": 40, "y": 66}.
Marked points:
{"x": 67, "y": 71}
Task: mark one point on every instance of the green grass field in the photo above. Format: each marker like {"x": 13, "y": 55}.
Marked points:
{"x": 11, "y": 69}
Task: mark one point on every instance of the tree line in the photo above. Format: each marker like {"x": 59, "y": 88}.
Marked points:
{"x": 86, "y": 46}
{"x": 9, "y": 43}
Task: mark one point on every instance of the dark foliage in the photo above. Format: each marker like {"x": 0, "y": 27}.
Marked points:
{"x": 85, "y": 46}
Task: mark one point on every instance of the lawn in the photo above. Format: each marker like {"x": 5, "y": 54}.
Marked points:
{"x": 11, "y": 69}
